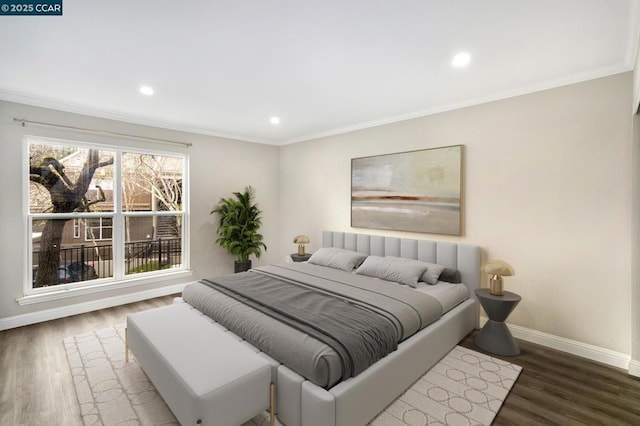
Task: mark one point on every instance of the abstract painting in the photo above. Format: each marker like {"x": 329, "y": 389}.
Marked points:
{"x": 417, "y": 191}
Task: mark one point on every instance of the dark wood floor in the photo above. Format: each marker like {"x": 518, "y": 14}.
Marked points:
{"x": 35, "y": 381}
{"x": 553, "y": 388}
{"x": 562, "y": 389}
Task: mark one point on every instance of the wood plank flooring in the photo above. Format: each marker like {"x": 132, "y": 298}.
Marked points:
{"x": 558, "y": 388}
{"x": 553, "y": 388}
{"x": 35, "y": 381}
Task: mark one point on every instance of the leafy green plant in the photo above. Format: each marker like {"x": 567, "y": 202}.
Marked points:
{"x": 240, "y": 221}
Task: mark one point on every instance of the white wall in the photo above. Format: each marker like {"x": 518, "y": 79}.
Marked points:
{"x": 548, "y": 187}
{"x": 218, "y": 167}
{"x": 547, "y": 183}
{"x": 634, "y": 367}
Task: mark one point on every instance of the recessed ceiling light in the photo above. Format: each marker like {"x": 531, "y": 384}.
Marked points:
{"x": 275, "y": 120}
{"x": 461, "y": 60}
{"x": 146, "y": 90}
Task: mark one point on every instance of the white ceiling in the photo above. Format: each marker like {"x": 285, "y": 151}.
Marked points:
{"x": 322, "y": 66}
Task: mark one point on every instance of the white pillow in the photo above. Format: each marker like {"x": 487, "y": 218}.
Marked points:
{"x": 345, "y": 260}
{"x": 432, "y": 274}
{"x": 390, "y": 268}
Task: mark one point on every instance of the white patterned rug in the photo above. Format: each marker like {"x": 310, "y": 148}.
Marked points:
{"x": 464, "y": 388}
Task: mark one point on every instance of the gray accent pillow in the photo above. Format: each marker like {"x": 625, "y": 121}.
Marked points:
{"x": 452, "y": 276}
{"x": 390, "y": 268}
{"x": 432, "y": 274}
{"x": 336, "y": 258}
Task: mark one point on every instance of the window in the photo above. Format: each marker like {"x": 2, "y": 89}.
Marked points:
{"x": 98, "y": 229}
{"x": 127, "y": 204}
{"x": 76, "y": 228}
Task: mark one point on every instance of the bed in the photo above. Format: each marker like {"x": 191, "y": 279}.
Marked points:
{"x": 318, "y": 384}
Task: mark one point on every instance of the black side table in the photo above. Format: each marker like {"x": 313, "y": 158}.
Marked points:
{"x": 495, "y": 337}
{"x": 300, "y": 257}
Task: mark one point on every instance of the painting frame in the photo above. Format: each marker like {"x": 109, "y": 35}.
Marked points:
{"x": 415, "y": 191}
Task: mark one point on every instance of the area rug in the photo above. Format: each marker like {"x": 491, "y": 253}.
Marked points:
{"x": 464, "y": 388}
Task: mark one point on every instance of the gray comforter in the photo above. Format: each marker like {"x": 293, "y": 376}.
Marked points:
{"x": 400, "y": 311}
{"x": 360, "y": 334}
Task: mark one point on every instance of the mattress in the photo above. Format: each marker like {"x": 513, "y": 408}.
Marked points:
{"x": 449, "y": 295}
{"x": 303, "y": 354}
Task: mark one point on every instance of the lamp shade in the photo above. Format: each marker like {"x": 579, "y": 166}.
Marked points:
{"x": 497, "y": 267}
{"x": 301, "y": 239}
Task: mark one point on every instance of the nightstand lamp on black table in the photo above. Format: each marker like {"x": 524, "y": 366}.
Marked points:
{"x": 498, "y": 304}
{"x": 301, "y": 256}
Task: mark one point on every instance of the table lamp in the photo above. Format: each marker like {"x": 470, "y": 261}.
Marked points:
{"x": 301, "y": 240}
{"x": 497, "y": 269}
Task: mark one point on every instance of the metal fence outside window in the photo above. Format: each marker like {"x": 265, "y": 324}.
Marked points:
{"x": 96, "y": 261}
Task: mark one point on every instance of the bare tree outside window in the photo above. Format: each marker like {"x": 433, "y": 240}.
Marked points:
{"x": 76, "y": 224}
{"x": 67, "y": 194}
{"x": 152, "y": 183}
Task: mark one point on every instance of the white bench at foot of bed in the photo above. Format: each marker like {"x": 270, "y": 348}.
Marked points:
{"x": 205, "y": 375}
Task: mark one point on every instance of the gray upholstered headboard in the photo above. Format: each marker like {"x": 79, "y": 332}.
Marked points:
{"x": 463, "y": 257}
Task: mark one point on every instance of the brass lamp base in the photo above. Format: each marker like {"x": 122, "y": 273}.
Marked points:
{"x": 301, "y": 249}
{"x": 495, "y": 285}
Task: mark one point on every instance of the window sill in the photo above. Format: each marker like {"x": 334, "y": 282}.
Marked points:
{"x": 93, "y": 289}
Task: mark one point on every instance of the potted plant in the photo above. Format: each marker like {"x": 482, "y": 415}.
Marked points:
{"x": 240, "y": 220}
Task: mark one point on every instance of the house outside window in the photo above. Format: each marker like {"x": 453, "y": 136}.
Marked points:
{"x": 128, "y": 206}
{"x": 98, "y": 229}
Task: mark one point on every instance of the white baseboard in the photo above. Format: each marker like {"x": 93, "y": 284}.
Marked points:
{"x": 634, "y": 368}
{"x": 80, "y": 308}
{"x": 594, "y": 353}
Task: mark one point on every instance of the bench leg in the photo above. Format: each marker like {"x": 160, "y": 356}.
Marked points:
{"x": 126, "y": 345}
{"x": 272, "y": 405}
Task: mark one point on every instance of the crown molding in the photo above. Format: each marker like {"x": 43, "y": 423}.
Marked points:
{"x": 56, "y": 104}
{"x": 182, "y": 127}
{"x": 538, "y": 87}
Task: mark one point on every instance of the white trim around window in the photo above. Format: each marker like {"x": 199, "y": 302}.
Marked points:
{"x": 118, "y": 276}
